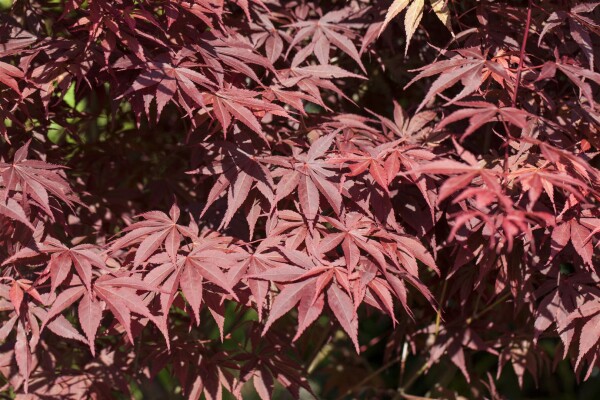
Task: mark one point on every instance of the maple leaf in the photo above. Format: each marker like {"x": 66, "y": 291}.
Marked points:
{"x": 233, "y": 52}
{"x": 557, "y": 304}
{"x": 8, "y": 73}
{"x": 354, "y": 237}
{"x": 310, "y": 79}
{"x": 324, "y": 32}
{"x": 269, "y": 37}
{"x": 240, "y": 171}
{"x": 36, "y": 180}
{"x": 413, "y": 16}
{"x": 577, "y": 75}
{"x": 292, "y": 227}
{"x": 310, "y": 175}
{"x": 207, "y": 261}
{"x": 536, "y": 179}
{"x": 261, "y": 260}
{"x": 305, "y": 283}
{"x": 465, "y": 176}
{"x": 192, "y": 272}
{"x": 165, "y": 80}
{"x": 120, "y": 296}
{"x": 373, "y": 161}
{"x": 14, "y": 211}
{"x": 578, "y": 234}
{"x": 481, "y": 113}
{"x": 453, "y": 344}
{"x": 577, "y": 27}
{"x": 239, "y": 103}
{"x": 409, "y": 129}
{"x": 62, "y": 259}
{"x": 155, "y": 230}
{"x": 561, "y": 302}
{"x": 468, "y": 66}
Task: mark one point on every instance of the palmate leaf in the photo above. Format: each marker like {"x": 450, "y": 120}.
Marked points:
{"x": 481, "y": 113}
{"x": 35, "y": 180}
{"x": 201, "y": 276}
{"x": 117, "y": 294}
{"x": 238, "y": 104}
{"x": 14, "y": 211}
{"x": 469, "y": 66}
{"x": 464, "y": 176}
{"x": 578, "y": 76}
{"x": 82, "y": 258}
{"x": 8, "y": 73}
{"x": 155, "y": 230}
{"x": 166, "y": 80}
{"x": 310, "y": 177}
{"x": 577, "y": 23}
{"x": 270, "y": 37}
{"x": 578, "y": 234}
{"x": 324, "y": 32}
{"x": 413, "y": 16}
{"x": 121, "y": 298}
{"x": 241, "y": 173}
{"x": 304, "y": 283}
{"x": 537, "y": 179}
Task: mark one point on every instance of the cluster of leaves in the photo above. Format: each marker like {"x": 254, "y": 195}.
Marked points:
{"x": 464, "y": 206}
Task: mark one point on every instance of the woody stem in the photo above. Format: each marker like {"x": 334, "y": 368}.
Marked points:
{"x": 522, "y": 53}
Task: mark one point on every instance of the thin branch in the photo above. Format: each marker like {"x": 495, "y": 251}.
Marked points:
{"x": 489, "y": 308}
{"x": 321, "y": 349}
{"x": 438, "y": 317}
{"x": 370, "y": 376}
{"x": 522, "y": 53}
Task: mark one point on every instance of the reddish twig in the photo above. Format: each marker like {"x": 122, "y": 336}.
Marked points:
{"x": 522, "y": 53}
{"x": 517, "y": 84}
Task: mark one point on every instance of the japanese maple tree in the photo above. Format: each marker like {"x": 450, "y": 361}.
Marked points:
{"x": 244, "y": 198}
